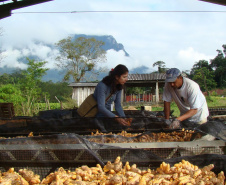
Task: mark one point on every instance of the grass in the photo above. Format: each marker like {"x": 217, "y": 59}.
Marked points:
{"x": 212, "y": 102}
{"x": 173, "y": 107}
{"x": 216, "y": 101}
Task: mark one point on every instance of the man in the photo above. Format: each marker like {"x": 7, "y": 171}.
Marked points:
{"x": 188, "y": 97}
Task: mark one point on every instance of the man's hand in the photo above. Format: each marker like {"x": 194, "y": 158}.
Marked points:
{"x": 175, "y": 124}
{"x": 167, "y": 122}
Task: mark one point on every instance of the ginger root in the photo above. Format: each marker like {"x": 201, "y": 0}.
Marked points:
{"x": 116, "y": 174}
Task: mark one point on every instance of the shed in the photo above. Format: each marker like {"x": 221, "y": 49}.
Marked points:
{"x": 156, "y": 80}
{"x": 82, "y": 89}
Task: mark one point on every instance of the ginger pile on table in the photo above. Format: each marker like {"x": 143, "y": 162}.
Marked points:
{"x": 175, "y": 136}
{"x": 182, "y": 173}
{"x": 12, "y": 177}
{"x": 30, "y": 176}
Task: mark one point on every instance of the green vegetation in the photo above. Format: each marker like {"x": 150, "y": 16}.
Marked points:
{"x": 161, "y": 66}
{"x": 79, "y": 56}
{"x": 216, "y": 101}
{"x": 29, "y": 94}
{"x": 203, "y": 74}
{"x": 173, "y": 108}
{"x": 212, "y": 102}
{"x": 210, "y": 75}
{"x": 157, "y": 108}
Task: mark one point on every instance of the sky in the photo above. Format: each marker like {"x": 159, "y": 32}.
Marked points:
{"x": 150, "y": 30}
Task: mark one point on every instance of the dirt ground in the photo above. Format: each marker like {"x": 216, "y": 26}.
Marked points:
{"x": 130, "y": 108}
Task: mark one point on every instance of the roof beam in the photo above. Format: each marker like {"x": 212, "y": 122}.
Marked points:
{"x": 220, "y": 2}
{"x": 4, "y": 13}
{"x": 6, "y": 9}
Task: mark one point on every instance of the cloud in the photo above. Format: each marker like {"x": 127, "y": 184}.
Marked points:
{"x": 189, "y": 56}
{"x": 175, "y": 38}
{"x": 13, "y": 56}
{"x": 11, "y": 60}
{"x": 114, "y": 58}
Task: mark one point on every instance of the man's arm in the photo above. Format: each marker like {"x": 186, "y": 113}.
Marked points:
{"x": 187, "y": 115}
{"x": 167, "y": 109}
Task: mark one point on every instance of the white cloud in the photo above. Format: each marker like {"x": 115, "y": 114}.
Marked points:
{"x": 114, "y": 58}
{"x": 11, "y": 59}
{"x": 189, "y": 56}
{"x": 175, "y": 38}
{"x": 44, "y": 53}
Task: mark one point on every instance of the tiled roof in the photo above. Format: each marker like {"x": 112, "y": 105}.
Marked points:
{"x": 147, "y": 77}
{"x": 132, "y": 78}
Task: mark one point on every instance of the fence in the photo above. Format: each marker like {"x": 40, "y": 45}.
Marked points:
{"x": 142, "y": 98}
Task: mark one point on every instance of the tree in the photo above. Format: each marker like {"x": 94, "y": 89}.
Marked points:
{"x": 79, "y": 56}
{"x": 5, "y": 79}
{"x": 12, "y": 78}
{"x": 59, "y": 89}
{"x": 10, "y": 93}
{"x": 29, "y": 84}
{"x": 203, "y": 74}
{"x": 198, "y": 65}
{"x": 219, "y": 66}
{"x": 161, "y": 66}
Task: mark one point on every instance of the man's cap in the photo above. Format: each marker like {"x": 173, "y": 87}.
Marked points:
{"x": 172, "y": 74}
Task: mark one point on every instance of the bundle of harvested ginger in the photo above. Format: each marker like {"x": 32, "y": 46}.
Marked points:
{"x": 116, "y": 174}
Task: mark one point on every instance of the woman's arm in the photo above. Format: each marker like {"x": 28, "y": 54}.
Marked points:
{"x": 118, "y": 105}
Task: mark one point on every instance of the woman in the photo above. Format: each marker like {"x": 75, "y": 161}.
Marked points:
{"x": 110, "y": 88}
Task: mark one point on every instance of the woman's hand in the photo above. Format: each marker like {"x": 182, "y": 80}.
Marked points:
{"x": 129, "y": 121}
{"x": 122, "y": 121}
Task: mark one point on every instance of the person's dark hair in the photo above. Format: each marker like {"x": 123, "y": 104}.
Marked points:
{"x": 110, "y": 79}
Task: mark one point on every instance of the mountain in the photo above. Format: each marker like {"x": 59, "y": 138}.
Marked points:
{"x": 38, "y": 50}
{"x": 140, "y": 70}
{"x": 110, "y": 42}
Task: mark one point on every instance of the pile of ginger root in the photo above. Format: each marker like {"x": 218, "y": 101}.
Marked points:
{"x": 182, "y": 173}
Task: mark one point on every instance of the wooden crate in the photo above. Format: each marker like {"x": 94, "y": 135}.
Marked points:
{"x": 6, "y": 110}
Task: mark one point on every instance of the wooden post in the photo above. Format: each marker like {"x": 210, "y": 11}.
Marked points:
{"x": 122, "y": 96}
{"x": 157, "y": 91}
{"x": 78, "y": 97}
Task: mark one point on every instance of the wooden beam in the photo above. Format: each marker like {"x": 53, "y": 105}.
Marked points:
{"x": 4, "y": 13}
{"x": 220, "y": 2}
{"x": 5, "y": 9}
{"x": 25, "y": 3}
